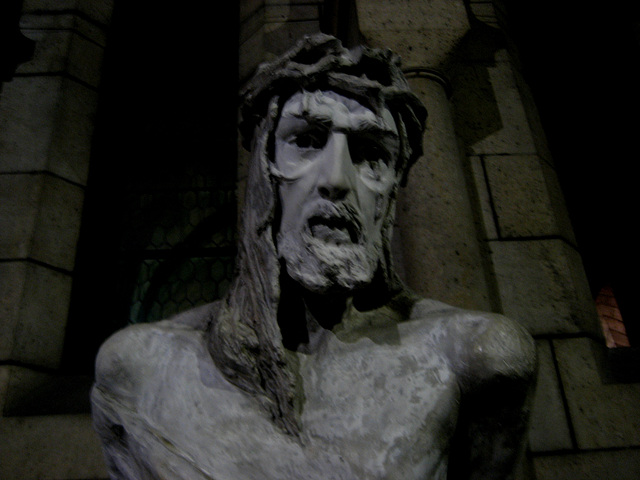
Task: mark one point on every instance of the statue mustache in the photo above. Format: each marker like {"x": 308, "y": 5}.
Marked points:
{"x": 341, "y": 216}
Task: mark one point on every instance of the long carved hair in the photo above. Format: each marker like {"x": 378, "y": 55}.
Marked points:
{"x": 245, "y": 339}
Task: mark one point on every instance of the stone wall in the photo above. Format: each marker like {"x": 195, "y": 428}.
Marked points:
{"x": 46, "y": 123}
{"x": 583, "y": 426}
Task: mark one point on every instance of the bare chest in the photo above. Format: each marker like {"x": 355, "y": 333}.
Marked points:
{"x": 389, "y": 412}
{"x": 368, "y": 412}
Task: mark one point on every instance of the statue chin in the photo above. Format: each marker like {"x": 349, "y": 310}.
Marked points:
{"x": 324, "y": 267}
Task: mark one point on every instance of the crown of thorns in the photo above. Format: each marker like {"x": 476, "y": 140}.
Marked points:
{"x": 320, "y": 62}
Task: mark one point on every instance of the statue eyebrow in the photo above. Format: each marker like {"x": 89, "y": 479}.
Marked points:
{"x": 363, "y": 126}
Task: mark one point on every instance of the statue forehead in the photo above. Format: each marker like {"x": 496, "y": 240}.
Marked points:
{"x": 340, "y": 111}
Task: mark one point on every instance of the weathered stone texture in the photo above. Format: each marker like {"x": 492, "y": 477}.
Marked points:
{"x": 64, "y": 43}
{"x": 50, "y": 448}
{"x": 46, "y": 123}
{"x": 549, "y": 428}
{"x": 604, "y": 415}
{"x": 618, "y": 465}
{"x": 525, "y": 195}
{"x": 490, "y": 115}
{"x": 441, "y": 253}
{"x": 39, "y": 219}
{"x": 36, "y": 302}
{"x": 542, "y": 284}
{"x": 99, "y": 11}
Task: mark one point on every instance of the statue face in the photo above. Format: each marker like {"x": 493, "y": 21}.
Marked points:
{"x": 335, "y": 160}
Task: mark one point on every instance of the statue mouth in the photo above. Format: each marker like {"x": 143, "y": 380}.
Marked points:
{"x": 334, "y": 229}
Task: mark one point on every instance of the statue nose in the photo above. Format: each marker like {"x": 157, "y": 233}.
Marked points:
{"x": 337, "y": 170}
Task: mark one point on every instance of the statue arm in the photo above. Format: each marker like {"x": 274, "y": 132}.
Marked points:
{"x": 111, "y": 404}
{"x": 497, "y": 380}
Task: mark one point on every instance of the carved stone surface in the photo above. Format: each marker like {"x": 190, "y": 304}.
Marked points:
{"x": 319, "y": 363}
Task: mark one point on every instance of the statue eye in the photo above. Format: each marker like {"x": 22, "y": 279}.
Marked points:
{"x": 368, "y": 150}
{"x": 314, "y": 138}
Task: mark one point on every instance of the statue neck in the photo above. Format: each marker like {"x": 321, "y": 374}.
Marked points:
{"x": 305, "y": 317}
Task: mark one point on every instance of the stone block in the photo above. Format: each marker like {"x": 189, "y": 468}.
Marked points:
{"x": 441, "y": 251}
{"x": 251, "y": 25}
{"x": 27, "y": 117}
{"x": 19, "y": 203}
{"x": 58, "y": 224}
{"x": 12, "y": 284}
{"x": 70, "y": 148}
{"x": 549, "y": 429}
{"x": 603, "y": 415}
{"x": 50, "y": 448}
{"x": 280, "y": 36}
{"x": 558, "y": 204}
{"x": 490, "y": 115}
{"x": 484, "y": 12}
{"x": 36, "y": 300}
{"x": 525, "y": 194}
{"x": 412, "y": 15}
{"x": 542, "y": 285}
{"x": 483, "y": 198}
{"x": 431, "y": 48}
{"x": 68, "y": 21}
{"x": 424, "y": 34}
{"x": 31, "y": 392}
{"x": 59, "y": 49}
{"x": 97, "y": 10}
{"x": 618, "y": 465}
{"x": 46, "y": 123}
{"x": 252, "y": 53}
{"x": 4, "y": 384}
{"x": 39, "y": 219}
{"x": 531, "y": 109}
{"x": 280, "y": 13}
{"x": 249, "y": 8}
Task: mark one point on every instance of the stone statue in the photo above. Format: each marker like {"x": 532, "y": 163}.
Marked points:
{"x": 319, "y": 364}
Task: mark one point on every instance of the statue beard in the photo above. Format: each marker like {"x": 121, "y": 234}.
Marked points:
{"x": 323, "y": 266}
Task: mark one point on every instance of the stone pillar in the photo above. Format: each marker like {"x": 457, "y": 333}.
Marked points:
{"x": 440, "y": 247}
{"x": 439, "y": 241}
{"x": 46, "y": 124}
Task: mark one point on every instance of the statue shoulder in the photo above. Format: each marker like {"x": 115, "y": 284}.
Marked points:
{"x": 492, "y": 347}
{"x": 481, "y": 346}
{"x": 124, "y": 358}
